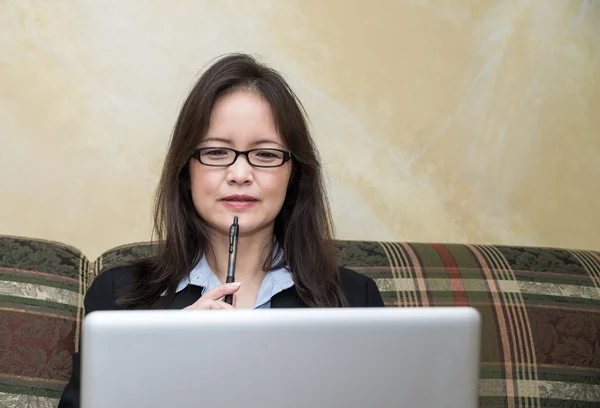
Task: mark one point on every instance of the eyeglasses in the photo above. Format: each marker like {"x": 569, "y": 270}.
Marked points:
{"x": 223, "y": 156}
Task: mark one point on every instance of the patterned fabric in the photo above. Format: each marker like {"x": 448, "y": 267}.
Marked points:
{"x": 540, "y": 311}
{"x": 41, "y": 297}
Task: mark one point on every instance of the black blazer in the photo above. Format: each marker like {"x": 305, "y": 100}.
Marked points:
{"x": 360, "y": 290}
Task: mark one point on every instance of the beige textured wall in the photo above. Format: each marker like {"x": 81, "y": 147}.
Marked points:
{"x": 448, "y": 121}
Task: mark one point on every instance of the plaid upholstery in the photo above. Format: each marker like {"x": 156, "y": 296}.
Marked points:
{"x": 540, "y": 310}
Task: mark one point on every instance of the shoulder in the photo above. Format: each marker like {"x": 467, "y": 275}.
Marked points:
{"x": 352, "y": 278}
{"x": 360, "y": 289}
{"x": 108, "y": 285}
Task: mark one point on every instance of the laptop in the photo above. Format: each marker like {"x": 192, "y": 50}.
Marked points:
{"x": 274, "y": 358}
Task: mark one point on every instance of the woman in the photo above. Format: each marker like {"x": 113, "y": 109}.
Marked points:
{"x": 241, "y": 147}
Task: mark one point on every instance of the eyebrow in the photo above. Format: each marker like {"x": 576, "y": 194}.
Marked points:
{"x": 228, "y": 142}
{"x": 216, "y": 139}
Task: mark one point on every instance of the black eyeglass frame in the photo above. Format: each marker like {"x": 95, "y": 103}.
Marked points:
{"x": 197, "y": 154}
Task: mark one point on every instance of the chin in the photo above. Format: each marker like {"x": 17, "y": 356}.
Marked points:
{"x": 222, "y": 224}
{"x": 250, "y": 222}
{"x": 248, "y": 226}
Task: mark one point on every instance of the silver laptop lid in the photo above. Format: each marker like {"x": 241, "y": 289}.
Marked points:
{"x": 376, "y": 357}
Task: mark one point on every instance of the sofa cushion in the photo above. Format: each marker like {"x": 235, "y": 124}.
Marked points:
{"x": 540, "y": 311}
{"x": 42, "y": 285}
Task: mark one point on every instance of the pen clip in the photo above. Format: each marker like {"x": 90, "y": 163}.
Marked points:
{"x": 233, "y": 230}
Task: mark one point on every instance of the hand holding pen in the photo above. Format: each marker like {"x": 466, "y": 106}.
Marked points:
{"x": 212, "y": 298}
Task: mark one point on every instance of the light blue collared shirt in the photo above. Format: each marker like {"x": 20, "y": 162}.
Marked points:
{"x": 275, "y": 281}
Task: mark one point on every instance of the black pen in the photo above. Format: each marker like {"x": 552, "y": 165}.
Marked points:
{"x": 233, "y": 239}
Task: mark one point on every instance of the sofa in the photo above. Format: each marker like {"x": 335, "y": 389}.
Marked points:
{"x": 540, "y": 310}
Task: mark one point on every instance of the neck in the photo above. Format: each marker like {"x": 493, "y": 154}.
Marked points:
{"x": 250, "y": 255}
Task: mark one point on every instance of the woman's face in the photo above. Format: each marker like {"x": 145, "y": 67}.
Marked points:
{"x": 240, "y": 120}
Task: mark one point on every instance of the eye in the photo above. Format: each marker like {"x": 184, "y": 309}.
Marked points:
{"x": 267, "y": 154}
{"x": 215, "y": 152}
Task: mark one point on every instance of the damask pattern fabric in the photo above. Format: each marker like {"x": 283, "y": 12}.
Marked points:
{"x": 41, "y": 296}
{"x": 540, "y": 311}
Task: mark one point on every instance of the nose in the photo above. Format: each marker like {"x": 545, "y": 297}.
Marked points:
{"x": 240, "y": 172}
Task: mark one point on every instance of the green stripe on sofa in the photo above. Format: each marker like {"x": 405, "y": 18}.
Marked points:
{"x": 32, "y": 391}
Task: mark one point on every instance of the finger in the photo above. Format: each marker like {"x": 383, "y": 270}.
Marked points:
{"x": 215, "y": 305}
{"x": 225, "y": 305}
{"x": 218, "y": 304}
{"x": 220, "y": 291}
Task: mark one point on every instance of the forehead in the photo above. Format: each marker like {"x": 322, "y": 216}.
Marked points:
{"x": 242, "y": 118}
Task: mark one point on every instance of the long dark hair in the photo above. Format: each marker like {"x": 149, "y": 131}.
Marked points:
{"x": 303, "y": 228}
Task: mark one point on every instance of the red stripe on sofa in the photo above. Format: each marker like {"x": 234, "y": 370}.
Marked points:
{"x": 456, "y": 283}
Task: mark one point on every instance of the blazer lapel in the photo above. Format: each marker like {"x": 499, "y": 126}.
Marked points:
{"x": 186, "y": 297}
{"x": 286, "y": 299}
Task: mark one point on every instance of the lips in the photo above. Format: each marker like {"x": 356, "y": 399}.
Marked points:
{"x": 239, "y": 197}
{"x": 239, "y": 201}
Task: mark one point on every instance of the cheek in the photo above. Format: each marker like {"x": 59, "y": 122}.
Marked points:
{"x": 278, "y": 188}
{"x": 204, "y": 185}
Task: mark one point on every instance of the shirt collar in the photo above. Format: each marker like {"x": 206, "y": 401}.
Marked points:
{"x": 274, "y": 282}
